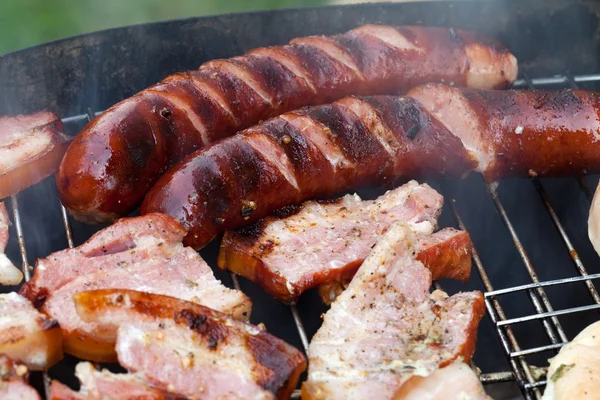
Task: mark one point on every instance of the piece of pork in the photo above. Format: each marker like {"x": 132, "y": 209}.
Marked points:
{"x": 27, "y": 335}
{"x": 101, "y": 385}
{"x": 142, "y": 253}
{"x": 9, "y": 274}
{"x": 446, "y": 253}
{"x": 13, "y": 381}
{"x": 455, "y": 382}
{"x": 386, "y": 327}
{"x": 191, "y": 350}
{"x": 31, "y": 148}
{"x": 326, "y": 242}
{"x": 574, "y": 372}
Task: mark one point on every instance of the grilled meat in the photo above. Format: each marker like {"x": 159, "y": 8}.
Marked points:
{"x": 13, "y": 381}
{"x": 31, "y": 147}
{"x": 454, "y": 382}
{"x": 326, "y": 242}
{"x": 322, "y": 150}
{"x": 386, "y": 327}
{"x": 117, "y": 158}
{"x": 142, "y": 253}
{"x": 101, "y": 385}
{"x": 9, "y": 274}
{"x": 27, "y": 335}
{"x": 574, "y": 372}
{"x": 191, "y": 350}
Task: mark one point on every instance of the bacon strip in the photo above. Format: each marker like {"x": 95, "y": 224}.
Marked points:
{"x": 326, "y": 242}
{"x": 31, "y": 148}
{"x": 13, "y": 381}
{"x": 142, "y": 253}
{"x": 386, "y": 327}
{"x": 191, "y": 350}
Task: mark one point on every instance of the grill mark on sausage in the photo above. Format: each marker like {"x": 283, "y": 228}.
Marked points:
{"x": 271, "y": 151}
{"x": 387, "y": 34}
{"x": 213, "y": 95}
{"x": 333, "y": 50}
{"x": 187, "y": 109}
{"x": 373, "y": 122}
{"x": 287, "y": 60}
{"x": 233, "y": 67}
{"x": 320, "y": 136}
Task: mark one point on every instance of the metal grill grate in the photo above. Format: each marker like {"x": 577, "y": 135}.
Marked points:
{"x": 522, "y": 372}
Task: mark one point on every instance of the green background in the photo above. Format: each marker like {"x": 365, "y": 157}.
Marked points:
{"x": 24, "y": 23}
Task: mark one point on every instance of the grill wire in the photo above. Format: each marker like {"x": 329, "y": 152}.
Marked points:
{"x": 522, "y": 372}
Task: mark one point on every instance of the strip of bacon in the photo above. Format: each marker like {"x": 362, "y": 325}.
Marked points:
{"x": 142, "y": 253}
{"x": 9, "y": 274}
{"x": 325, "y": 242}
{"x": 27, "y": 335}
{"x": 13, "y": 381}
{"x": 31, "y": 148}
{"x": 191, "y": 350}
{"x": 446, "y": 253}
{"x": 100, "y": 385}
{"x": 386, "y": 327}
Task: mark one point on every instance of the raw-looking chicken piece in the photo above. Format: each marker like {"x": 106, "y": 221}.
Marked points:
{"x": 142, "y": 253}
{"x": 102, "y": 385}
{"x": 191, "y": 350}
{"x": 31, "y": 148}
{"x": 454, "y": 382}
{"x": 9, "y": 274}
{"x": 324, "y": 242}
{"x": 27, "y": 335}
{"x": 13, "y": 381}
{"x": 386, "y": 327}
{"x": 574, "y": 372}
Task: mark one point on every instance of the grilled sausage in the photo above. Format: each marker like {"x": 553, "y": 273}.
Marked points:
{"x": 318, "y": 151}
{"x": 117, "y": 158}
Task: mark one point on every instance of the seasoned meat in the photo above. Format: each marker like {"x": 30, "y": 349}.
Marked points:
{"x": 13, "y": 381}
{"x": 119, "y": 155}
{"x": 386, "y": 327}
{"x": 574, "y": 373}
{"x": 142, "y": 253}
{"x": 101, "y": 385}
{"x": 31, "y": 147}
{"x": 446, "y": 254}
{"x": 9, "y": 274}
{"x": 435, "y": 130}
{"x": 191, "y": 350}
{"x": 325, "y": 242}
{"x": 27, "y": 335}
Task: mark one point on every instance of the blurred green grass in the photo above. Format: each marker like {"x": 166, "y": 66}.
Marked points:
{"x": 24, "y": 23}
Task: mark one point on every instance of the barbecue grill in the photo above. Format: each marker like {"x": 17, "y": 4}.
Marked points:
{"x": 535, "y": 263}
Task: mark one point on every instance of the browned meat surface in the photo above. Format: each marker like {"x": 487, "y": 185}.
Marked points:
{"x": 191, "y": 350}
{"x": 31, "y": 147}
{"x": 141, "y": 253}
{"x": 117, "y": 158}
{"x": 326, "y": 242}
{"x": 386, "y": 327}
{"x": 27, "y": 335}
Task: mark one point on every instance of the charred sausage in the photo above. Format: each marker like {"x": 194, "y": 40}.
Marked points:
{"x": 117, "y": 158}
{"x": 434, "y": 130}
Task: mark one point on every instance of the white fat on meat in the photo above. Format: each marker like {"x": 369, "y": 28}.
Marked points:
{"x": 574, "y": 373}
{"x": 27, "y": 335}
{"x": 594, "y": 221}
{"x": 9, "y": 274}
{"x": 386, "y": 327}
